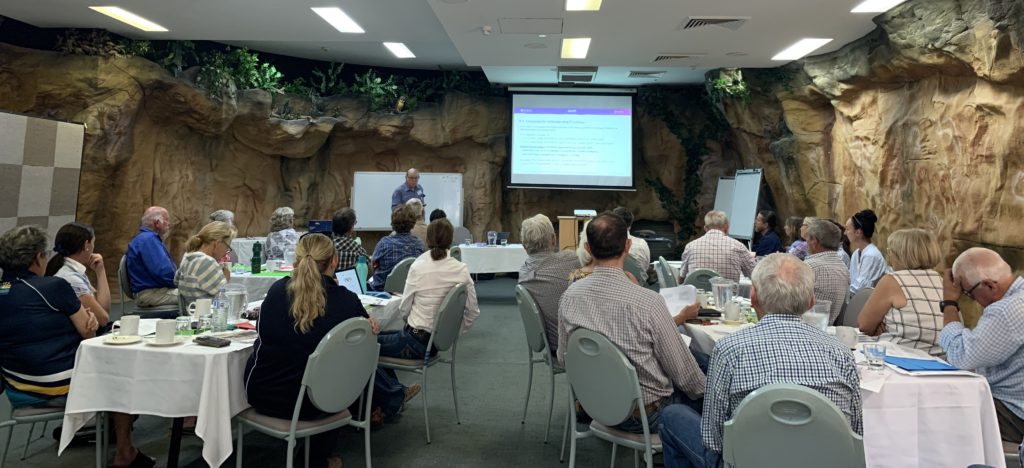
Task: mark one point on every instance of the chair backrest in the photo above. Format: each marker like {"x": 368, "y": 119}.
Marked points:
{"x": 701, "y": 278}
{"x": 854, "y": 305}
{"x": 461, "y": 234}
{"x": 633, "y": 267}
{"x": 532, "y": 321}
{"x": 122, "y": 278}
{"x": 396, "y": 279}
{"x": 601, "y": 377}
{"x": 448, "y": 323}
{"x": 341, "y": 365}
{"x": 796, "y": 425}
{"x": 666, "y": 276}
{"x": 456, "y": 253}
{"x": 6, "y": 409}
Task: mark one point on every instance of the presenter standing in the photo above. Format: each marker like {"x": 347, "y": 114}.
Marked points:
{"x": 409, "y": 190}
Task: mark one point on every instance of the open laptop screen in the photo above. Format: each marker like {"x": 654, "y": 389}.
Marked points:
{"x": 350, "y": 280}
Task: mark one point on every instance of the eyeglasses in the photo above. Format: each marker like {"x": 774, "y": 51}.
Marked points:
{"x": 227, "y": 246}
{"x": 970, "y": 292}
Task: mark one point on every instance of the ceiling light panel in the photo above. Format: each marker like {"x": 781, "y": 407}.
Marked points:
{"x": 339, "y": 19}
{"x": 801, "y": 49}
{"x": 130, "y": 18}
{"x": 575, "y": 48}
{"x": 875, "y": 6}
{"x": 582, "y": 5}
{"x": 399, "y": 50}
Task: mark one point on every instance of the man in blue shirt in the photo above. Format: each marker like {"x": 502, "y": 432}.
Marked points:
{"x": 149, "y": 265}
{"x": 409, "y": 190}
{"x": 995, "y": 347}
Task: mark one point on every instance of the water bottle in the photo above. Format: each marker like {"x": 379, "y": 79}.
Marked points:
{"x": 257, "y": 260}
{"x": 220, "y": 311}
{"x": 362, "y": 270}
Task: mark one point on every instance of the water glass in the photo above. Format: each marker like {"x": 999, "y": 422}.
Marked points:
{"x": 205, "y": 323}
{"x": 504, "y": 242}
{"x": 876, "y": 356}
{"x": 492, "y": 237}
{"x": 183, "y": 326}
{"x": 289, "y": 255}
{"x": 818, "y": 316}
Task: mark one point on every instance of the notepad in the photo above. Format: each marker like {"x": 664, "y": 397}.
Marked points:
{"x": 914, "y": 365}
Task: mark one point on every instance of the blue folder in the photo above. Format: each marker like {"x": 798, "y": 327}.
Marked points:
{"x": 919, "y": 364}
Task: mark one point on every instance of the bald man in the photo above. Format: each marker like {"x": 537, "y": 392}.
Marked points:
{"x": 149, "y": 265}
{"x": 409, "y": 190}
{"x": 995, "y": 347}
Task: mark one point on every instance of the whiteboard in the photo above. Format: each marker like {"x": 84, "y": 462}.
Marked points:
{"x": 723, "y": 195}
{"x": 371, "y": 197}
{"x": 746, "y": 190}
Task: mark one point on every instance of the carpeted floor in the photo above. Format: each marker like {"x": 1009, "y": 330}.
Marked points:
{"x": 491, "y": 377}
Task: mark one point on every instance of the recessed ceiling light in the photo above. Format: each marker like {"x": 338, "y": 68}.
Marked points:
{"x": 542, "y": 35}
{"x": 575, "y": 48}
{"x": 875, "y": 6}
{"x": 128, "y": 17}
{"x": 399, "y": 50}
{"x": 535, "y": 45}
{"x": 582, "y": 5}
{"x": 337, "y": 18}
{"x": 801, "y": 49}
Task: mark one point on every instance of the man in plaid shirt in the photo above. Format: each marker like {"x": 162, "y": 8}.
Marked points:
{"x": 779, "y": 349}
{"x": 343, "y": 224}
{"x": 715, "y": 250}
{"x": 831, "y": 276}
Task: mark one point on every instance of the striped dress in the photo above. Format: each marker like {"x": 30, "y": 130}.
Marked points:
{"x": 199, "y": 277}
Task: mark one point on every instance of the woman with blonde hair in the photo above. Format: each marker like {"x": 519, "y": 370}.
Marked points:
{"x": 904, "y": 307}
{"x": 200, "y": 275}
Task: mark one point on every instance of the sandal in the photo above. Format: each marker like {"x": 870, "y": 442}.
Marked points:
{"x": 140, "y": 461}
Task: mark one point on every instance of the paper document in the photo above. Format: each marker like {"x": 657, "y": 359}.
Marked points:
{"x": 374, "y": 301}
{"x": 679, "y": 297}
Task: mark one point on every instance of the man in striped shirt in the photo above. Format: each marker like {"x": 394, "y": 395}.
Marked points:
{"x": 715, "y": 250}
{"x": 545, "y": 274}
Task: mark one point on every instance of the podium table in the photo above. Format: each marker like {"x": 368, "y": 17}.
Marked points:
{"x": 569, "y": 231}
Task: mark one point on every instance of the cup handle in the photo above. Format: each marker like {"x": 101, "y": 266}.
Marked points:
{"x": 191, "y": 309}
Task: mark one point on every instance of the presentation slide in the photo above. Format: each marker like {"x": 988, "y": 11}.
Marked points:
{"x": 572, "y": 141}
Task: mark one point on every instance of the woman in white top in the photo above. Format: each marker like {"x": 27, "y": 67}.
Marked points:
{"x": 74, "y": 245}
{"x": 431, "y": 276}
{"x": 200, "y": 275}
{"x": 904, "y": 307}
{"x": 866, "y": 264}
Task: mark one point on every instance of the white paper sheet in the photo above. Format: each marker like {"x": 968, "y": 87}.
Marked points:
{"x": 679, "y": 297}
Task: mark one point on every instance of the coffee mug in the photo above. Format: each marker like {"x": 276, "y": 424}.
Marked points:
{"x": 200, "y": 307}
{"x": 732, "y": 311}
{"x": 273, "y": 265}
{"x": 165, "y": 329}
{"x": 847, "y": 336}
{"x": 129, "y": 325}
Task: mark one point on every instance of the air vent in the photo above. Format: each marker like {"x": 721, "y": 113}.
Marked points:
{"x": 728, "y": 22}
{"x": 678, "y": 59}
{"x": 646, "y": 75}
{"x": 576, "y": 74}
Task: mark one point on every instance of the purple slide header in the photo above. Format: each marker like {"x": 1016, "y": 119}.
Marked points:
{"x": 571, "y": 111}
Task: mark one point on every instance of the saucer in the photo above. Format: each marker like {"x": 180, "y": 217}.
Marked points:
{"x": 177, "y": 340}
{"x": 122, "y": 339}
{"x": 733, "y": 322}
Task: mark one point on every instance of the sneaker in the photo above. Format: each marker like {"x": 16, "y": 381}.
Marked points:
{"x": 410, "y": 393}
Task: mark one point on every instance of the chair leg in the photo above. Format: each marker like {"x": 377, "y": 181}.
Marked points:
{"x": 455, "y": 392}
{"x": 42, "y": 434}
{"x": 7, "y": 445}
{"x": 614, "y": 447}
{"x": 426, "y": 417}
{"x": 565, "y": 433}
{"x": 290, "y": 452}
{"x": 551, "y": 403}
{"x": 307, "y": 452}
{"x": 100, "y": 433}
{"x": 529, "y": 385}
{"x": 28, "y": 440}
{"x": 238, "y": 445}
{"x": 366, "y": 443}
{"x": 636, "y": 458}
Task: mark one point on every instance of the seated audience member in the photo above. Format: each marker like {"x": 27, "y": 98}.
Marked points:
{"x": 866, "y": 264}
{"x": 437, "y": 214}
{"x": 768, "y": 241}
{"x": 224, "y": 216}
{"x": 587, "y": 262}
{"x": 394, "y": 248}
{"x": 297, "y": 313}
{"x": 904, "y": 307}
{"x": 778, "y": 349}
{"x": 431, "y": 276}
{"x": 282, "y": 233}
{"x": 715, "y": 250}
{"x": 200, "y": 275}
{"x": 343, "y": 227}
{"x": 149, "y": 265}
{"x": 41, "y": 326}
{"x": 831, "y": 278}
{"x": 545, "y": 274}
{"x": 639, "y": 249}
{"x": 844, "y": 244}
{"x": 420, "y": 228}
{"x": 634, "y": 319}
{"x": 995, "y": 347}
{"x": 74, "y": 245}
{"x": 796, "y": 230}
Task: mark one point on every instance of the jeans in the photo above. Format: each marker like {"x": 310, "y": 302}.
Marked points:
{"x": 402, "y": 344}
{"x": 635, "y": 425}
{"x": 681, "y": 440}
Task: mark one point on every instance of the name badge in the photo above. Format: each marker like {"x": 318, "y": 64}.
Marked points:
{"x": 5, "y": 288}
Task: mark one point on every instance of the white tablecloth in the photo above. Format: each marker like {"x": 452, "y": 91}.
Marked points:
{"x": 255, "y": 286}
{"x": 175, "y": 381}
{"x": 242, "y": 246}
{"x": 496, "y": 259}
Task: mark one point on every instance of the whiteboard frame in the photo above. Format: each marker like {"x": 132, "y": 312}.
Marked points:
{"x": 453, "y": 204}
{"x": 723, "y": 195}
{"x": 744, "y": 203}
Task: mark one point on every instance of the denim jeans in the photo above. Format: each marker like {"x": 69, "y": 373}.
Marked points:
{"x": 635, "y": 425}
{"x": 681, "y": 440}
{"x": 401, "y": 344}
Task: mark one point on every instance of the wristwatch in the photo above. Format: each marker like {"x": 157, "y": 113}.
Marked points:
{"x": 944, "y": 304}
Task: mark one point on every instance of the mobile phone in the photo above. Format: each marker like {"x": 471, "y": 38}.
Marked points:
{"x": 211, "y": 341}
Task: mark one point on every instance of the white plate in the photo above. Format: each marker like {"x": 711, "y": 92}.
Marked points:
{"x": 122, "y": 339}
{"x": 177, "y": 340}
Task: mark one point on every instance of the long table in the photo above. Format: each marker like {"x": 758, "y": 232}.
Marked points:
{"x": 493, "y": 259}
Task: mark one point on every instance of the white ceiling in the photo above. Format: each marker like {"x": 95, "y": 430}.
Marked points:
{"x": 448, "y": 34}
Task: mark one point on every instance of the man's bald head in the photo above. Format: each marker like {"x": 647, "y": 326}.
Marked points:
{"x": 157, "y": 219}
{"x": 412, "y": 178}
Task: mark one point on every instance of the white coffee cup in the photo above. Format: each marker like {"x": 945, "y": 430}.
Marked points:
{"x": 847, "y": 336}
{"x": 129, "y": 325}
{"x": 165, "y": 329}
{"x": 732, "y": 311}
{"x": 200, "y": 307}
{"x": 273, "y": 265}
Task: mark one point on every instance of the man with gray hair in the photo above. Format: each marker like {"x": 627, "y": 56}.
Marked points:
{"x": 545, "y": 274}
{"x": 150, "y": 268}
{"x": 715, "y": 250}
{"x": 995, "y": 347}
{"x": 831, "y": 276}
{"x": 225, "y": 216}
{"x": 410, "y": 189}
{"x": 779, "y": 349}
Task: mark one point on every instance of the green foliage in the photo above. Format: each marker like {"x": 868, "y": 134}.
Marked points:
{"x": 729, "y": 84}
{"x": 175, "y": 56}
{"x": 99, "y": 43}
{"x": 383, "y": 92}
{"x": 329, "y": 83}
{"x": 222, "y": 73}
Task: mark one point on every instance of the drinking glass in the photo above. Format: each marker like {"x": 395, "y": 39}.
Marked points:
{"x": 289, "y": 255}
{"x": 818, "y": 316}
{"x": 504, "y": 242}
{"x": 492, "y": 237}
{"x": 876, "y": 356}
